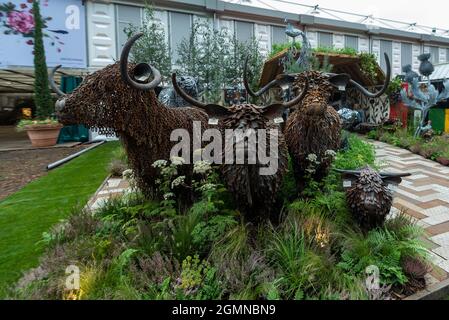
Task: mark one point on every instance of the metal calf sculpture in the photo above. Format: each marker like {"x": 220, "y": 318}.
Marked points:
{"x": 254, "y": 194}
{"x": 369, "y": 195}
{"x": 121, "y": 99}
{"x": 315, "y": 127}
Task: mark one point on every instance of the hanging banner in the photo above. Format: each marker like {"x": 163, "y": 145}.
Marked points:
{"x": 64, "y": 33}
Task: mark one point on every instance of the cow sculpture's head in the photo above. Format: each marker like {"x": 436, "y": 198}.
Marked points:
{"x": 242, "y": 116}
{"x": 320, "y": 88}
{"x": 110, "y": 99}
{"x": 370, "y": 194}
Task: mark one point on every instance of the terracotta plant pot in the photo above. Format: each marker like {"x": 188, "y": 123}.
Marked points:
{"x": 43, "y": 135}
{"x": 444, "y": 161}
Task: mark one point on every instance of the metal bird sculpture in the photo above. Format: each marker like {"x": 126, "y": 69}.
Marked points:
{"x": 426, "y": 67}
{"x": 292, "y": 32}
{"x": 305, "y": 57}
{"x": 409, "y": 73}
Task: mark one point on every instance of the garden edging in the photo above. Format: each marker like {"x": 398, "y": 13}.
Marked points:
{"x": 438, "y": 291}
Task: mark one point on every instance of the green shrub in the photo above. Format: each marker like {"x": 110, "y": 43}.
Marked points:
{"x": 360, "y": 154}
{"x": 384, "y": 248}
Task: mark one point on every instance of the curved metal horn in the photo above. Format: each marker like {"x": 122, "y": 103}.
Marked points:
{"x": 385, "y": 86}
{"x": 394, "y": 175}
{"x": 299, "y": 98}
{"x": 246, "y": 84}
{"x": 352, "y": 172}
{"x": 142, "y": 66}
{"x": 51, "y": 80}
{"x": 184, "y": 95}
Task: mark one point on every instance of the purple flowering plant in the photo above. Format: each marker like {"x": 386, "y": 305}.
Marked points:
{"x": 19, "y": 19}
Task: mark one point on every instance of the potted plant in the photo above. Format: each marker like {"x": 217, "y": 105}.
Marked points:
{"x": 43, "y": 131}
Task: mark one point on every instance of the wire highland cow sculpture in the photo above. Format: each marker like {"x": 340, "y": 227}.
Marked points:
{"x": 120, "y": 98}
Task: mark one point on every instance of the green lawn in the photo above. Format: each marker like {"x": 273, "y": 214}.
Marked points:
{"x": 25, "y": 215}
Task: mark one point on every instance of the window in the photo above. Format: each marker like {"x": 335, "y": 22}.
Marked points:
{"x": 244, "y": 31}
{"x": 447, "y": 55}
{"x": 279, "y": 35}
{"x": 385, "y": 47}
{"x": 434, "y": 55}
{"x": 406, "y": 54}
{"x": 180, "y": 26}
{"x": 126, "y": 15}
{"x": 325, "y": 40}
{"x": 352, "y": 42}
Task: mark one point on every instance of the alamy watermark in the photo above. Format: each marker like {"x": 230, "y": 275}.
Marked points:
{"x": 240, "y": 146}
{"x": 72, "y": 281}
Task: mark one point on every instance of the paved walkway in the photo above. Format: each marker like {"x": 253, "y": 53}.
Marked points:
{"x": 112, "y": 187}
{"x": 424, "y": 196}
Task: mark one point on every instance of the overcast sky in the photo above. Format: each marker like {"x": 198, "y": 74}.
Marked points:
{"x": 433, "y": 13}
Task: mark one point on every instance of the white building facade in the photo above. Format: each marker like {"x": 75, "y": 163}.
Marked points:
{"x": 107, "y": 19}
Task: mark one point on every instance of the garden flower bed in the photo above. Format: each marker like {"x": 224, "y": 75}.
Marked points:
{"x": 135, "y": 248}
{"x": 435, "y": 148}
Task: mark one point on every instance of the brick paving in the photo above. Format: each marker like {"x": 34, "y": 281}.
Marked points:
{"x": 425, "y": 197}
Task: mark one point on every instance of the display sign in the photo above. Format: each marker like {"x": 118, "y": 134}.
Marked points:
{"x": 64, "y": 33}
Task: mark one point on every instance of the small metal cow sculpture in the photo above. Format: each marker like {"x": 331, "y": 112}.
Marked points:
{"x": 369, "y": 195}
{"x": 254, "y": 194}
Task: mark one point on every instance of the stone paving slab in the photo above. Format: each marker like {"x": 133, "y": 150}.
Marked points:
{"x": 424, "y": 196}
{"x": 112, "y": 187}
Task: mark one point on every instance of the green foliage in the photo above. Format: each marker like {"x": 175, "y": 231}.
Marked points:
{"x": 205, "y": 233}
{"x": 279, "y": 47}
{"x": 346, "y": 51}
{"x": 42, "y": 94}
{"x": 24, "y": 122}
{"x": 206, "y": 48}
{"x": 395, "y": 86}
{"x": 119, "y": 162}
{"x": 384, "y": 248}
{"x": 360, "y": 154}
{"x": 134, "y": 248}
{"x": 436, "y": 147}
{"x": 368, "y": 65}
{"x": 199, "y": 278}
{"x": 151, "y": 47}
{"x": 305, "y": 268}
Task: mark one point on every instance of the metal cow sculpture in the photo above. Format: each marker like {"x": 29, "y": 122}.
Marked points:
{"x": 369, "y": 195}
{"x": 120, "y": 99}
{"x": 315, "y": 127}
{"x": 254, "y": 193}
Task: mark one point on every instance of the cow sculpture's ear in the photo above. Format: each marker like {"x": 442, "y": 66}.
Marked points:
{"x": 349, "y": 177}
{"x": 393, "y": 178}
{"x": 340, "y": 81}
{"x": 274, "y": 111}
{"x": 216, "y": 112}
